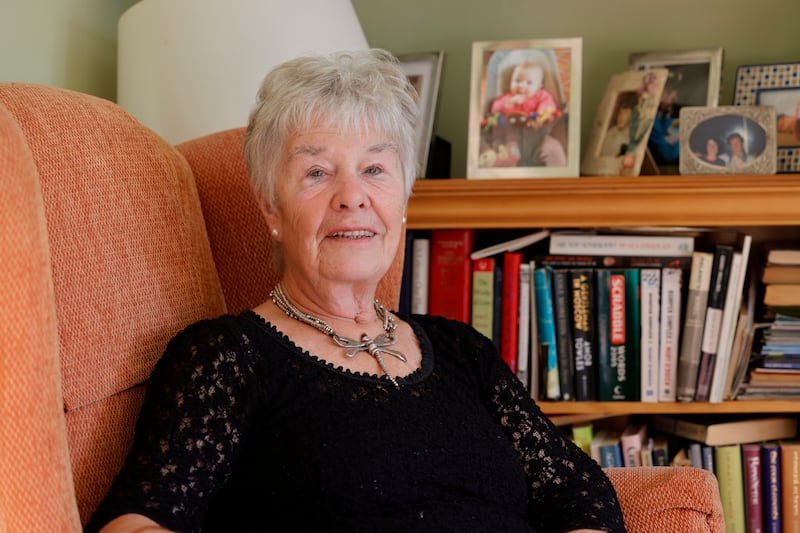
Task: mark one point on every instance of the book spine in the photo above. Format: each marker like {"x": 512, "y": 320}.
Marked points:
{"x": 771, "y": 476}
{"x": 547, "y": 331}
{"x": 692, "y": 332}
{"x": 524, "y": 321}
{"x": 632, "y": 442}
{"x": 727, "y": 333}
{"x": 618, "y": 334}
{"x": 421, "y": 258}
{"x": 450, "y": 293}
{"x": 535, "y": 364}
{"x": 613, "y": 261}
{"x": 622, "y": 245}
{"x": 718, "y": 288}
{"x": 562, "y": 309}
{"x": 754, "y": 512}
{"x": 483, "y": 296}
{"x": 669, "y": 333}
{"x": 406, "y": 282}
{"x": 509, "y": 338}
{"x": 650, "y": 280}
{"x": 583, "y": 329}
{"x": 790, "y": 486}
{"x": 728, "y": 460}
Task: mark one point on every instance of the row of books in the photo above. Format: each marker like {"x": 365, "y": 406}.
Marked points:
{"x": 755, "y": 460}
{"x": 594, "y": 316}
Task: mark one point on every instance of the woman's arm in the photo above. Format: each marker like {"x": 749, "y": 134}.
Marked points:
{"x": 132, "y": 523}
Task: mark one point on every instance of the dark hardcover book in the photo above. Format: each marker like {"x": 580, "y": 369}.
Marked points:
{"x": 613, "y": 261}
{"x": 771, "y": 486}
{"x": 562, "y": 310}
{"x": 753, "y": 495}
{"x": 404, "y": 304}
{"x": 720, "y": 273}
{"x": 583, "y": 333}
{"x": 618, "y": 317}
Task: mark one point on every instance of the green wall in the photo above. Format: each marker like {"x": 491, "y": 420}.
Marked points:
{"x": 72, "y": 43}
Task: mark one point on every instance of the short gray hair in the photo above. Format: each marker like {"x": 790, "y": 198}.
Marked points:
{"x": 349, "y": 90}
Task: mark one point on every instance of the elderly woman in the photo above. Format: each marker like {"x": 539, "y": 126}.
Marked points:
{"x": 321, "y": 410}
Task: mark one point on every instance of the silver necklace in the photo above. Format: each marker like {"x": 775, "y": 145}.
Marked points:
{"x": 375, "y": 347}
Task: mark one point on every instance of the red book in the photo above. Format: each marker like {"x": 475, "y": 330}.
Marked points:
{"x": 450, "y": 273}
{"x": 753, "y": 493}
{"x": 509, "y": 336}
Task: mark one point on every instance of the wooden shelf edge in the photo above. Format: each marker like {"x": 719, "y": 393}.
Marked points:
{"x": 733, "y": 200}
{"x": 625, "y": 408}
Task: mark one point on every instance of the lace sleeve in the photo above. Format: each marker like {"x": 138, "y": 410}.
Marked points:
{"x": 189, "y": 431}
{"x": 568, "y": 489}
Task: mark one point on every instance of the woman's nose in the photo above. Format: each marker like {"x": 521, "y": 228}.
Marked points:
{"x": 350, "y": 192}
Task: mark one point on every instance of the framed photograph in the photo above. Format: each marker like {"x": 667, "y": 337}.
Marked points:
{"x": 728, "y": 140}
{"x": 694, "y": 80}
{"x": 524, "y": 117}
{"x": 618, "y": 142}
{"x": 424, "y": 71}
{"x": 776, "y": 85}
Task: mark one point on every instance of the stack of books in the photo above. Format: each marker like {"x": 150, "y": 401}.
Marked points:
{"x": 776, "y": 373}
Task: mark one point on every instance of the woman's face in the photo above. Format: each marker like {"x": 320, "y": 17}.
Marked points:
{"x": 340, "y": 206}
{"x": 712, "y": 150}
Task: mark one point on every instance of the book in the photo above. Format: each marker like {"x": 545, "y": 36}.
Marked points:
{"x": 510, "y": 246}
{"x": 632, "y": 441}
{"x": 605, "y": 448}
{"x": 780, "y": 274}
{"x": 669, "y": 333}
{"x": 790, "y": 486}
{"x": 614, "y": 261}
{"x": 723, "y": 430}
{"x": 547, "y": 331}
{"x": 650, "y": 282}
{"x": 582, "y": 436}
{"x": 450, "y": 279}
{"x": 420, "y": 274}
{"x": 695, "y": 454}
{"x": 660, "y": 451}
{"x": 534, "y": 362}
{"x": 509, "y": 336}
{"x": 777, "y": 255}
{"x": 693, "y": 320}
{"x": 621, "y": 244}
{"x": 647, "y": 453}
{"x": 708, "y": 457}
{"x": 753, "y": 492}
{"x": 730, "y": 476}
{"x": 524, "y": 323}
{"x": 618, "y": 334}
{"x": 718, "y": 288}
{"x": 730, "y": 317}
{"x": 562, "y": 309}
{"x": 583, "y": 333}
{"x": 784, "y": 295}
{"x": 771, "y": 481}
{"x": 483, "y": 297}
{"x": 404, "y": 301}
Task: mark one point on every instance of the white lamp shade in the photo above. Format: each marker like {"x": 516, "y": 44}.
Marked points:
{"x": 187, "y": 68}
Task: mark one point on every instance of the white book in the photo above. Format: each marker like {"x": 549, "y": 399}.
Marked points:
{"x": 510, "y": 246}
{"x": 650, "y": 307}
{"x": 693, "y": 322}
{"x": 733, "y": 302}
{"x": 420, "y": 272}
{"x": 533, "y": 335}
{"x": 669, "y": 334}
{"x": 524, "y": 320}
{"x": 621, "y": 245}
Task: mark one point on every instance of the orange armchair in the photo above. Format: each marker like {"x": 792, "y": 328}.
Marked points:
{"x": 111, "y": 241}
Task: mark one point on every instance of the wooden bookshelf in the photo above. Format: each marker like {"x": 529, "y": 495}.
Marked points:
{"x": 768, "y": 203}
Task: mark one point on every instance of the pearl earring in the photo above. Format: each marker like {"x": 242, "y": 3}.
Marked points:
{"x": 404, "y": 219}
{"x": 274, "y": 233}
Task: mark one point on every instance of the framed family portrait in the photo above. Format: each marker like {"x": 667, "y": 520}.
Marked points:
{"x": 776, "y": 85}
{"x": 618, "y": 142}
{"x": 694, "y": 80}
{"x": 524, "y": 117}
{"x": 424, "y": 71}
{"x": 728, "y": 140}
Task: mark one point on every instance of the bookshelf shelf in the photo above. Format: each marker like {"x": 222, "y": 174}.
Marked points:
{"x": 768, "y": 204}
{"x": 735, "y": 200}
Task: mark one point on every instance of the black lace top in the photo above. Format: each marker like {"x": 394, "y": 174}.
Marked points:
{"x": 241, "y": 431}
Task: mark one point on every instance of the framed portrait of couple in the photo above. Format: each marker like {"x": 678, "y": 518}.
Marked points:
{"x": 524, "y": 119}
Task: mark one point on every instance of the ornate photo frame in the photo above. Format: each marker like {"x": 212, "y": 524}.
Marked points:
{"x": 624, "y": 119}
{"x": 728, "y": 140}
{"x": 776, "y": 85}
{"x": 514, "y": 134}
{"x": 694, "y": 80}
{"x": 424, "y": 71}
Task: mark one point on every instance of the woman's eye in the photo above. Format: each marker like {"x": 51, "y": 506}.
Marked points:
{"x": 374, "y": 171}
{"x": 316, "y": 173}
